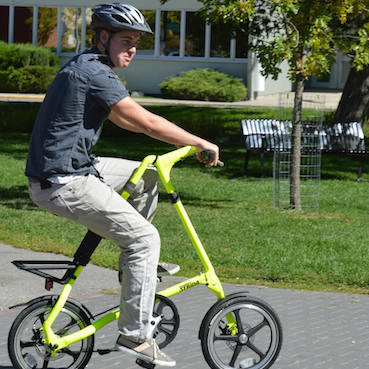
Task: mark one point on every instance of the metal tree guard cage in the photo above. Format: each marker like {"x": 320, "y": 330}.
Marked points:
{"x": 310, "y": 164}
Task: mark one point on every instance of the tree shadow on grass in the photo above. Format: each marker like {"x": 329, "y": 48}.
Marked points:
{"x": 16, "y": 197}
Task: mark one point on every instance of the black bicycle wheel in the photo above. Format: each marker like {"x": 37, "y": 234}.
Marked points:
{"x": 254, "y": 341}
{"x": 25, "y": 347}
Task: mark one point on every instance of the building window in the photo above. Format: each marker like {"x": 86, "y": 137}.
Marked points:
{"x": 220, "y": 41}
{"x": 71, "y": 26}
{"x": 177, "y": 33}
{"x": 242, "y": 44}
{"x": 146, "y": 45}
{"x": 170, "y": 27}
{"x": 195, "y": 35}
{"x": 44, "y": 26}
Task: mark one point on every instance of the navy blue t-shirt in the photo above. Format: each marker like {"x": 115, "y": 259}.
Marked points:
{"x": 70, "y": 119}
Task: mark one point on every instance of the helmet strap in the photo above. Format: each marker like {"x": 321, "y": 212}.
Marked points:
{"x": 106, "y": 47}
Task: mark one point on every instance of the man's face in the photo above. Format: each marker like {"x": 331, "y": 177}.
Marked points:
{"x": 123, "y": 47}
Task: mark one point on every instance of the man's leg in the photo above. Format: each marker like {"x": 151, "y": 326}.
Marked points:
{"x": 92, "y": 203}
{"x": 116, "y": 173}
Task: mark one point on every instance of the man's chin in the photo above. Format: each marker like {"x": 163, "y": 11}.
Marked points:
{"x": 123, "y": 64}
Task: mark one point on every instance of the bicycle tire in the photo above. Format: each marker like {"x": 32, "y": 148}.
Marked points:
{"x": 25, "y": 348}
{"x": 256, "y": 341}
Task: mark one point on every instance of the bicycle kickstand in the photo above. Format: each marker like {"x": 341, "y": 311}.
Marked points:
{"x": 145, "y": 364}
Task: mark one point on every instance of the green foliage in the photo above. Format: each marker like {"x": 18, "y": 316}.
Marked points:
{"x": 22, "y": 55}
{"x": 47, "y": 21}
{"x": 204, "y": 84}
{"x": 26, "y": 68}
{"x": 33, "y": 78}
{"x": 306, "y": 33}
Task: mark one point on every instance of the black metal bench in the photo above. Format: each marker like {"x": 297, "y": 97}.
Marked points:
{"x": 267, "y": 135}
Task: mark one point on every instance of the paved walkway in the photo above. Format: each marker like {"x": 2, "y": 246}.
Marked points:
{"x": 329, "y": 100}
{"x": 321, "y": 330}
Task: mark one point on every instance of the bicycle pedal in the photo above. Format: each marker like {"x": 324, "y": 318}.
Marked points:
{"x": 145, "y": 364}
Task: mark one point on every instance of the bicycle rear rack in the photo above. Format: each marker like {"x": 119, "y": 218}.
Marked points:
{"x": 38, "y": 266}
{"x": 81, "y": 257}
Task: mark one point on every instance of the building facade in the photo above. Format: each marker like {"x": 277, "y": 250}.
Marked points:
{"x": 181, "y": 41}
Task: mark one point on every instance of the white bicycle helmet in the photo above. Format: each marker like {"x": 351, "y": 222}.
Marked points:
{"x": 116, "y": 17}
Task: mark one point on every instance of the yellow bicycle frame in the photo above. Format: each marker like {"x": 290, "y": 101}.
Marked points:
{"x": 164, "y": 164}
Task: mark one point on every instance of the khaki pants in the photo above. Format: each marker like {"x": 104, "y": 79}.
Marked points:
{"x": 97, "y": 205}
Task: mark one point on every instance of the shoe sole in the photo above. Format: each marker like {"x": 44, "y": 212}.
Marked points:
{"x": 172, "y": 272}
{"x": 144, "y": 357}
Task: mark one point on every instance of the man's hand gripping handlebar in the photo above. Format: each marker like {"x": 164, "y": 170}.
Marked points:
{"x": 208, "y": 156}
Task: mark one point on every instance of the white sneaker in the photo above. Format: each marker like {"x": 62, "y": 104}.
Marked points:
{"x": 167, "y": 269}
{"x": 147, "y": 351}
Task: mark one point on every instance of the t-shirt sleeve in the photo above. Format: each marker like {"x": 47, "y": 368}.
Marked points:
{"x": 107, "y": 89}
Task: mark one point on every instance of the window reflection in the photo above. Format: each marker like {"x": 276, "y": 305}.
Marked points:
{"x": 170, "y": 27}
{"x": 195, "y": 34}
{"x": 146, "y": 45}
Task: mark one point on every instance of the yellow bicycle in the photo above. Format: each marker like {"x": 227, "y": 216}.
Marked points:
{"x": 56, "y": 331}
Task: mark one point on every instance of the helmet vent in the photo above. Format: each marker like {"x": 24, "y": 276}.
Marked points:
{"x": 119, "y": 18}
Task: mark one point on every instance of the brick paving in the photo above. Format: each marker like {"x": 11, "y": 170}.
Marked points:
{"x": 321, "y": 330}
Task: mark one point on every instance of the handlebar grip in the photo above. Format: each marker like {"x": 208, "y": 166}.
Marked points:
{"x": 210, "y": 155}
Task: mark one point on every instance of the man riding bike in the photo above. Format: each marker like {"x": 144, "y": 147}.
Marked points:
{"x": 67, "y": 180}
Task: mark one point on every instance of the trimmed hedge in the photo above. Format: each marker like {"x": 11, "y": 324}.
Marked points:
{"x": 34, "y": 78}
{"x": 26, "y": 68}
{"x": 204, "y": 84}
{"x": 22, "y": 55}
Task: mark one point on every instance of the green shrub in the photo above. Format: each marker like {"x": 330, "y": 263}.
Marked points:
{"x": 22, "y": 55}
{"x": 204, "y": 84}
{"x": 33, "y": 78}
{"x": 5, "y": 84}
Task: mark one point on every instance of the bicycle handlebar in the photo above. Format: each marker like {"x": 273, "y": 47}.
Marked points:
{"x": 210, "y": 155}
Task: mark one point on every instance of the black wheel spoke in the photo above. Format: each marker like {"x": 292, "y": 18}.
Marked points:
{"x": 164, "y": 330}
{"x": 256, "y": 350}
{"x": 225, "y": 337}
{"x": 27, "y": 344}
{"x": 168, "y": 322}
{"x": 236, "y": 352}
{"x": 42, "y": 318}
{"x": 69, "y": 352}
{"x": 66, "y": 328}
{"x": 46, "y": 363}
{"x": 257, "y": 328}
{"x": 239, "y": 321}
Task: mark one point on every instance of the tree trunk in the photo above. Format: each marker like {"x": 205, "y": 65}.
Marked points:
{"x": 354, "y": 103}
{"x": 295, "y": 198}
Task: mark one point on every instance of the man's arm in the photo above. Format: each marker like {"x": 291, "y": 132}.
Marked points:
{"x": 129, "y": 115}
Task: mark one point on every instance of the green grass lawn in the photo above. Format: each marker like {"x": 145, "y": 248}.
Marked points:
{"x": 247, "y": 239}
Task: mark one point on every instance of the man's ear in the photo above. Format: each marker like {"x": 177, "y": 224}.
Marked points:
{"x": 104, "y": 36}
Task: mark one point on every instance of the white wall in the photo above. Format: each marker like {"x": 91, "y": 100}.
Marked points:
{"x": 282, "y": 84}
{"x": 147, "y": 74}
